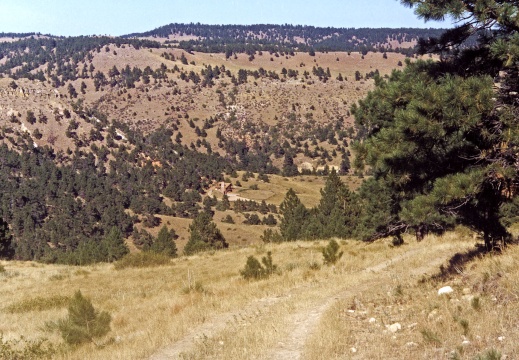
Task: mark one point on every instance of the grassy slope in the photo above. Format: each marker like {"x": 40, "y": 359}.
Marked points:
{"x": 153, "y": 308}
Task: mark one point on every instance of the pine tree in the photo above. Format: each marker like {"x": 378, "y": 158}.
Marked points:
{"x": 294, "y": 216}
{"x": 204, "y": 235}
{"x": 113, "y": 245}
{"x": 84, "y": 323}
{"x": 224, "y": 204}
{"x": 440, "y": 138}
{"x": 164, "y": 243}
{"x": 338, "y": 210}
{"x": 289, "y": 168}
{"x": 6, "y": 246}
{"x": 331, "y": 253}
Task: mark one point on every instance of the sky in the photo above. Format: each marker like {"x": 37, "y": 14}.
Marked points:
{"x": 119, "y": 17}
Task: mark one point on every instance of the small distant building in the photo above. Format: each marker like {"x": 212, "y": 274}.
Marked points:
{"x": 225, "y": 188}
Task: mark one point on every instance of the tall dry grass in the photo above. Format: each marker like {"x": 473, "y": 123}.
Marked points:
{"x": 204, "y": 302}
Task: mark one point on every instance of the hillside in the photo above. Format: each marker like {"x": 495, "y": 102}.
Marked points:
{"x": 200, "y": 307}
{"x": 262, "y": 191}
{"x": 133, "y": 109}
{"x": 248, "y": 39}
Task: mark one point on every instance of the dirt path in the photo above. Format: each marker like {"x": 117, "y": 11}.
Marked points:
{"x": 212, "y": 327}
{"x": 302, "y": 323}
{"x": 306, "y": 321}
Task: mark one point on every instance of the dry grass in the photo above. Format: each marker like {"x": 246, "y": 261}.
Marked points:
{"x": 203, "y": 302}
{"x": 480, "y": 315}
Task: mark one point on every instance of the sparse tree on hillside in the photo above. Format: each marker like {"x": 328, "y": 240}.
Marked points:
{"x": 289, "y": 168}
{"x": 31, "y": 118}
{"x": 113, "y": 72}
{"x": 72, "y": 91}
{"x": 165, "y": 242}
{"x": 242, "y": 76}
{"x": 183, "y": 59}
{"x": 204, "y": 235}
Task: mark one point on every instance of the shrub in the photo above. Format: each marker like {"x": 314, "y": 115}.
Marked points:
{"x": 252, "y": 219}
{"x": 83, "y": 323}
{"x": 270, "y": 235}
{"x": 430, "y": 336}
{"x": 270, "y": 268}
{"x": 314, "y": 265}
{"x": 269, "y": 220}
{"x": 397, "y": 241}
{"x": 255, "y": 270}
{"x": 194, "y": 287}
{"x": 263, "y": 177}
{"x": 491, "y": 354}
{"x": 331, "y": 253}
{"x": 141, "y": 260}
{"x": 476, "y": 303}
{"x": 228, "y": 219}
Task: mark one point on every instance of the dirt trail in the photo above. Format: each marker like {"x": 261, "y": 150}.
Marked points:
{"x": 302, "y": 323}
{"x": 212, "y": 327}
{"x": 307, "y": 320}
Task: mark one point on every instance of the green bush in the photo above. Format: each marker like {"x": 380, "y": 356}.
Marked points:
{"x": 491, "y": 354}
{"x": 142, "y": 260}
{"x": 271, "y": 236}
{"x": 255, "y": 270}
{"x": 83, "y": 323}
{"x": 228, "y": 219}
{"x": 331, "y": 253}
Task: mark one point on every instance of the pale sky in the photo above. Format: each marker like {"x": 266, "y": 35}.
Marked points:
{"x": 119, "y": 17}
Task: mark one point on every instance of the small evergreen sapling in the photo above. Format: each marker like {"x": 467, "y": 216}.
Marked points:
{"x": 255, "y": 270}
{"x": 83, "y": 323}
{"x": 331, "y": 253}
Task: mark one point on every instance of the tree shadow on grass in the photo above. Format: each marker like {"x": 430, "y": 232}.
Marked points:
{"x": 457, "y": 264}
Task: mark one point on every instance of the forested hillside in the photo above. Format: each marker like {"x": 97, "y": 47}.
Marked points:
{"x": 105, "y": 140}
{"x": 288, "y": 38}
